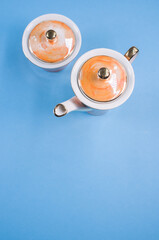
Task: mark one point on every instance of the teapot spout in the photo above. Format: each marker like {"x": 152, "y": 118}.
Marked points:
{"x": 131, "y": 54}
{"x": 70, "y": 105}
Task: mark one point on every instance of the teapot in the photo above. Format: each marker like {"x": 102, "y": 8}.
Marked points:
{"x": 101, "y": 79}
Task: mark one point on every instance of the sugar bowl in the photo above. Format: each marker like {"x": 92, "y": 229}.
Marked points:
{"x": 51, "y": 41}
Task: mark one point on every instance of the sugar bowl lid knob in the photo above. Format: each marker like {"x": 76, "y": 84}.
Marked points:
{"x": 51, "y": 34}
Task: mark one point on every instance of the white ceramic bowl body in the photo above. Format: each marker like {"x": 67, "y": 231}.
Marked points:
{"x": 103, "y": 105}
{"x": 51, "y": 66}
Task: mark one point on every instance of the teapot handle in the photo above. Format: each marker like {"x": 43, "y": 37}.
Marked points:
{"x": 131, "y": 54}
{"x": 70, "y": 105}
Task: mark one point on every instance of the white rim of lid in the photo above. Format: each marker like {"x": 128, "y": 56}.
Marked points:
{"x": 47, "y": 17}
{"x": 103, "y": 105}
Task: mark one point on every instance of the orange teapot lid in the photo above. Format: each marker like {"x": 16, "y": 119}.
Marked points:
{"x": 102, "y": 78}
{"x": 52, "y": 41}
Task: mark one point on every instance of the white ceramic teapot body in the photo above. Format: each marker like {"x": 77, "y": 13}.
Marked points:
{"x": 81, "y": 102}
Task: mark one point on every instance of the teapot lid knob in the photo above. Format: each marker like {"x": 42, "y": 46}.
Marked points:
{"x": 104, "y": 73}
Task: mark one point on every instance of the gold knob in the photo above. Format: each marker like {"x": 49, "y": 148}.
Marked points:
{"x": 103, "y": 73}
{"x": 50, "y": 34}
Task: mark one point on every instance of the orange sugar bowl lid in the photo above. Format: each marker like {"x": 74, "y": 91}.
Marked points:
{"x": 51, "y": 41}
{"x": 102, "y": 78}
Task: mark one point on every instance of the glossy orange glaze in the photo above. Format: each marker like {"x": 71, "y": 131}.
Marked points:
{"x": 102, "y": 89}
{"x": 54, "y": 50}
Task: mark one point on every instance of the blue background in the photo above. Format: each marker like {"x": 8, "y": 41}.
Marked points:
{"x": 79, "y": 177}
